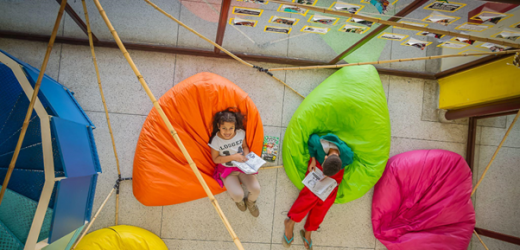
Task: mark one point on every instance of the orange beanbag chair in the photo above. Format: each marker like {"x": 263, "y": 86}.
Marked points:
{"x": 161, "y": 174}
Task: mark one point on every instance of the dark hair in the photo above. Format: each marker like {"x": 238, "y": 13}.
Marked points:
{"x": 332, "y": 165}
{"x": 227, "y": 115}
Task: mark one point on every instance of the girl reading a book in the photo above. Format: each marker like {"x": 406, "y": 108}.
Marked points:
{"x": 228, "y": 143}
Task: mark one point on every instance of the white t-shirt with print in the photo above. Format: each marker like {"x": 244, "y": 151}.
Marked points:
{"x": 229, "y": 147}
{"x": 327, "y": 145}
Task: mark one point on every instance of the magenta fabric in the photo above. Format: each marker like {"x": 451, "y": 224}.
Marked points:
{"x": 221, "y": 172}
{"x": 422, "y": 201}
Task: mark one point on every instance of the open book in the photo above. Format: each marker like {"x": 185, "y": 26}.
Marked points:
{"x": 252, "y": 165}
{"x": 319, "y": 184}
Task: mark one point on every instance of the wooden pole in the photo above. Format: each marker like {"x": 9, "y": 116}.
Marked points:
{"x": 215, "y": 44}
{"x": 476, "y": 234}
{"x": 33, "y": 100}
{"x": 401, "y": 25}
{"x": 93, "y": 219}
{"x": 169, "y": 125}
{"x": 394, "y": 60}
{"x": 271, "y": 167}
{"x": 496, "y": 152}
{"x": 91, "y": 43}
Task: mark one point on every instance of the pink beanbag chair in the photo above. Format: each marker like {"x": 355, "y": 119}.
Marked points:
{"x": 422, "y": 201}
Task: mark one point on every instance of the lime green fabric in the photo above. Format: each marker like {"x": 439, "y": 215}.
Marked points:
{"x": 351, "y": 104}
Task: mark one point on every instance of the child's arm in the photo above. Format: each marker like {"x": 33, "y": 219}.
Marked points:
{"x": 218, "y": 159}
{"x": 245, "y": 147}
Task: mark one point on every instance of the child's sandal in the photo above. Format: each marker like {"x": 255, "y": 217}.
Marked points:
{"x": 302, "y": 233}
{"x": 286, "y": 242}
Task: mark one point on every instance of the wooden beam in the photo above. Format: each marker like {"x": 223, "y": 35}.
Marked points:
{"x": 77, "y": 20}
{"x": 407, "y": 10}
{"x": 196, "y": 52}
{"x": 467, "y": 66}
{"x": 401, "y": 25}
{"x": 485, "y": 109}
{"x": 224, "y": 11}
{"x": 470, "y": 146}
{"x": 499, "y": 236}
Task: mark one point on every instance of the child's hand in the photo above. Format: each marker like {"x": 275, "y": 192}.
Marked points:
{"x": 312, "y": 166}
{"x": 240, "y": 157}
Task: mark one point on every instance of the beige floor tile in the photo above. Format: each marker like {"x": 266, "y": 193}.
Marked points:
{"x": 499, "y": 122}
{"x": 491, "y": 244}
{"x": 404, "y": 104}
{"x": 401, "y": 145}
{"x": 123, "y": 92}
{"x": 216, "y": 245}
{"x": 126, "y": 130}
{"x": 34, "y": 16}
{"x": 33, "y": 54}
{"x": 131, "y": 212}
{"x": 134, "y": 21}
{"x": 197, "y": 220}
{"x": 497, "y": 207}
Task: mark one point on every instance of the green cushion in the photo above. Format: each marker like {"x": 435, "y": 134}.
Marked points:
{"x": 351, "y": 104}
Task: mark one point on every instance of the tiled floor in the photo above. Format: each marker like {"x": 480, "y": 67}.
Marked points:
{"x": 195, "y": 225}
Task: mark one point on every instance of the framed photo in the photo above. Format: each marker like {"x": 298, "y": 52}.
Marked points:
{"x": 473, "y": 27}
{"x": 247, "y": 11}
{"x": 279, "y": 30}
{"x": 292, "y": 9}
{"x": 439, "y": 18}
{"x": 242, "y": 22}
{"x": 470, "y": 51}
{"x": 445, "y": 6}
{"x": 411, "y": 23}
{"x": 462, "y": 40}
{"x": 452, "y": 45}
{"x": 493, "y": 47}
{"x": 347, "y": 7}
{"x": 492, "y": 17}
{"x": 430, "y": 34}
{"x": 416, "y": 43}
{"x": 508, "y": 34}
{"x": 361, "y": 21}
{"x": 516, "y": 25}
{"x": 316, "y": 30}
{"x": 306, "y": 2}
{"x": 392, "y": 36}
{"x": 348, "y": 28}
{"x": 254, "y": 1}
{"x": 323, "y": 20}
{"x": 284, "y": 20}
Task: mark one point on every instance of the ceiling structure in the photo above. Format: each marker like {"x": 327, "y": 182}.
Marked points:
{"x": 265, "y": 31}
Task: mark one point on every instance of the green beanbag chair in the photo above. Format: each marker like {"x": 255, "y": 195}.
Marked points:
{"x": 351, "y": 104}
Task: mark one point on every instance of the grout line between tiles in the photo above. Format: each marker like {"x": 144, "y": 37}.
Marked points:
{"x": 274, "y": 207}
{"x": 160, "y": 229}
{"x": 265, "y": 243}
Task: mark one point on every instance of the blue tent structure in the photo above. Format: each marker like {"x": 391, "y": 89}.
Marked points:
{"x": 50, "y": 195}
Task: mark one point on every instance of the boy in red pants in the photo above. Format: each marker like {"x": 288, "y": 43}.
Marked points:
{"x": 334, "y": 154}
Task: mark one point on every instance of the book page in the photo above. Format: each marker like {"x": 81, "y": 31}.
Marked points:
{"x": 319, "y": 184}
{"x": 252, "y": 165}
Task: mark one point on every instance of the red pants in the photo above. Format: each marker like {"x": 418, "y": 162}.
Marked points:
{"x": 308, "y": 203}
